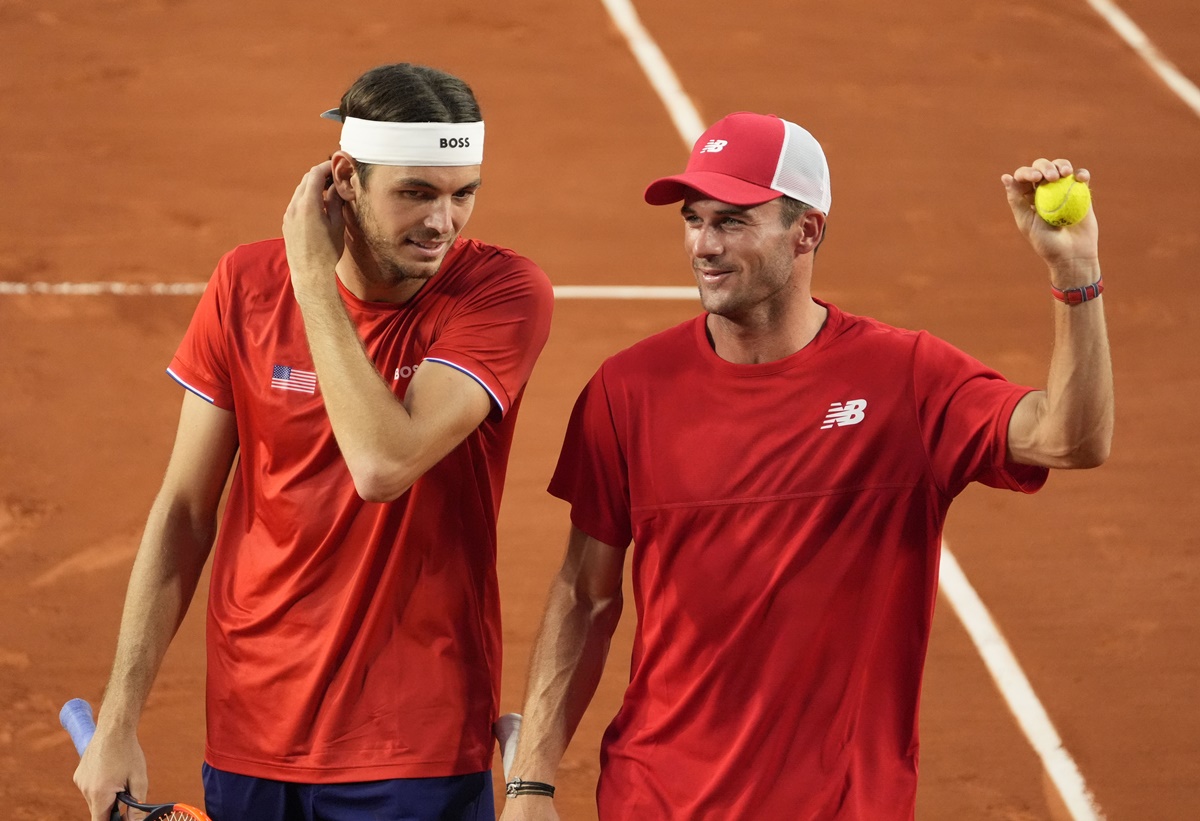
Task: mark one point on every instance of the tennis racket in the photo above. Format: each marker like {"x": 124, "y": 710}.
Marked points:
{"x": 76, "y": 719}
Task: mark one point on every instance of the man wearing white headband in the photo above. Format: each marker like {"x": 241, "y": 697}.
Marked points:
{"x": 366, "y": 371}
{"x": 783, "y": 469}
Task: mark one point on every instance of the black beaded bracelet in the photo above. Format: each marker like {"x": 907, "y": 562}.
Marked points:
{"x": 519, "y": 787}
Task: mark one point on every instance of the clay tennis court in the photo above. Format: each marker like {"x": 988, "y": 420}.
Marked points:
{"x": 144, "y": 138}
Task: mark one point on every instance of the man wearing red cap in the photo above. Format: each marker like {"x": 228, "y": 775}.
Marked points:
{"x": 783, "y": 469}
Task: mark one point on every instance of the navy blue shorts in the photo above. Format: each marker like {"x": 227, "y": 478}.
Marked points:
{"x": 232, "y": 797}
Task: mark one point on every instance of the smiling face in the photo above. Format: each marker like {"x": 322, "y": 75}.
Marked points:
{"x": 743, "y": 257}
{"x": 404, "y": 221}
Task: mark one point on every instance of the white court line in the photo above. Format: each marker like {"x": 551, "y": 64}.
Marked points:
{"x": 99, "y": 288}
{"x": 1140, "y": 43}
{"x": 195, "y": 288}
{"x": 1000, "y": 661}
{"x": 627, "y": 292}
{"x": 658, "y": 71}
{"x": 1016, "y": 689}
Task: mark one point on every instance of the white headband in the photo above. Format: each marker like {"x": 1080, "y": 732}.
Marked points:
{"x": 440, "y": 144}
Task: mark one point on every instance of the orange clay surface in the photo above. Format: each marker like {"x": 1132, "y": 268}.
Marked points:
{"x": 143, "y": 138}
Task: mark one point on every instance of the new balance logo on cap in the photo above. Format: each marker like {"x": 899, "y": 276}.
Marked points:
{"x": 747, "y": 159}
{"x": 849, "y": 413}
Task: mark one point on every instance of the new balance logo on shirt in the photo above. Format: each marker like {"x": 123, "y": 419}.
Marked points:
{"x": 848, "y": 413}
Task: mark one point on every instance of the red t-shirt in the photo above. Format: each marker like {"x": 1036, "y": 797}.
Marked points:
{"x": 351, "y": 640}
{"x": 786, "y": 518}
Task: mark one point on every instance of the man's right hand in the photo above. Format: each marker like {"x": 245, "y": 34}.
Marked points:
{"x": 529, "y": 808}
{"x": 314, "y": 231}
{"x": 112, "y": 763}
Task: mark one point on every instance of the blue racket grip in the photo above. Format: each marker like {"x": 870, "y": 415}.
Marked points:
{"x": 76, "y": 718}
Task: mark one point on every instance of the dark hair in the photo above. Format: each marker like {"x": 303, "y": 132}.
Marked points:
{"x": 791, "y": 209}
{"x": 408, "y": 93}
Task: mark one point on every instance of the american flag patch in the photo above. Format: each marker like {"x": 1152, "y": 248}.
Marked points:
{"x": 293, "y": 379}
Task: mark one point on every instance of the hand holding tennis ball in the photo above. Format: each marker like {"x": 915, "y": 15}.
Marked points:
{"x": 1055, "y": 244}
{"x": 1064, "y": 201}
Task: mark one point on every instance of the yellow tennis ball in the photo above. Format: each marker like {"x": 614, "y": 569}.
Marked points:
{"x": 1062, "y": 202}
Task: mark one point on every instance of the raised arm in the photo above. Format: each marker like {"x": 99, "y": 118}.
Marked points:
{"x": 387, "y": 443}
{"x": 582, "y": 612}
{"x": 178, "y": 537}
{"x": 1070, "y": 423}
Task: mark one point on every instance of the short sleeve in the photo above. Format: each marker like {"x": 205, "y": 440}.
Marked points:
{"x": 592, "y": 473}
{"x": 964, "y": 409}
{"x": 498, "y": 332}
{"x": 201, "y": 363}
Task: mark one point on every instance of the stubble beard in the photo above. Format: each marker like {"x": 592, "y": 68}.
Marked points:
{"x": 751, "y": 289}
{"x": 393, "y": 270}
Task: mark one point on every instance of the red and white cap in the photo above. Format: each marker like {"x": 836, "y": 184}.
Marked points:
{"x": 748, "y": 159}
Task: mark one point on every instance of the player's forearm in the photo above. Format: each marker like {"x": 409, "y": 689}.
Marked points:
{"x": 165, "y": 574}
{"x": 1074, "y": 425}
{"x": 568, "y": 660}
{"x": 374, "y": 430}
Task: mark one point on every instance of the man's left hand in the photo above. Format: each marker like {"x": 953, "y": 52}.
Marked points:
{"x": 1067, "y": 247}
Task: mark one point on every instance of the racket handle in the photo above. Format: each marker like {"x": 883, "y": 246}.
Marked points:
{"x": 76, "y": 718}
{"x": 507, "y": 729}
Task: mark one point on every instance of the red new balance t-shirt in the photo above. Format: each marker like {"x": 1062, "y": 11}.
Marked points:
{"x": 352, "y": 640}
{"x": 786, "y": 519}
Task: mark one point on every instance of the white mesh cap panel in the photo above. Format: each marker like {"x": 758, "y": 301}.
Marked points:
{"x": 802, "y": 172}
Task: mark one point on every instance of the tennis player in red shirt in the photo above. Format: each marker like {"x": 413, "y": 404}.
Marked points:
{"x": 361, "y": 377}
{"x": 782, "y": 470}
